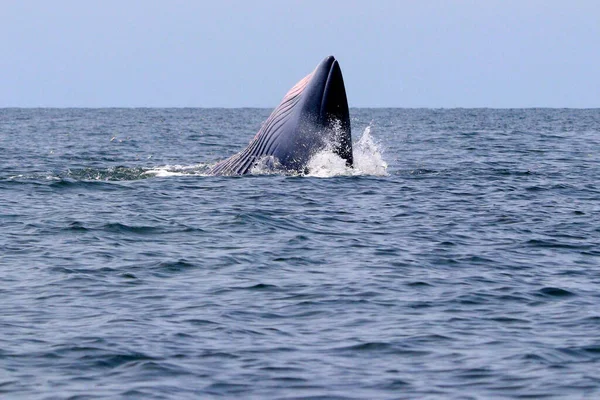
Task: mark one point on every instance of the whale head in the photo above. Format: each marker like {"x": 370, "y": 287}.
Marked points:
{"x": 313, "y": 116}
{"x": 322, "y": 111}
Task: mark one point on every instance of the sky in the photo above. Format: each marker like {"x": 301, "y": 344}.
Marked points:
{"x": 241, "y": 53}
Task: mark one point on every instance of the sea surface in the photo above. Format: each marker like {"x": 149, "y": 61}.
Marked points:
{"x": 459, "y": 260}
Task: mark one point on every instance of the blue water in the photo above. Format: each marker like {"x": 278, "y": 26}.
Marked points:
{"x": 469, "y": 268}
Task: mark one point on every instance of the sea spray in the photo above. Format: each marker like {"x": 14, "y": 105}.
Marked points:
{"x": 367, "y": 154}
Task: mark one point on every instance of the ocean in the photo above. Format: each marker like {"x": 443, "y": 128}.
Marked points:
{"x": 459, "y": 260}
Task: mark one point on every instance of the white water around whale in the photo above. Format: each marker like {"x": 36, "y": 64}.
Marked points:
{"x": 366, "y": 151}
{"x": 367, "y": 154}
{"x": 178, "y": 170}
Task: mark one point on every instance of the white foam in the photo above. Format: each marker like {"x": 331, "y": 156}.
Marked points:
{"x": 326, "y": 163}
{"x": 266, "y": 166}
{"x": 367, "y": 154}
{"x": 177, "y": 170}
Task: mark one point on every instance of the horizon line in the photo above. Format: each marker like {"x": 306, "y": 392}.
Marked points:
{"x": 269, "y": 108}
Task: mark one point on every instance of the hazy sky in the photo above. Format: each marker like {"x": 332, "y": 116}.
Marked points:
{"x": 220, "y": 53}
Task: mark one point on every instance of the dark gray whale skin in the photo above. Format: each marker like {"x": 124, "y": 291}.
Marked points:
{"x": 312, "y": 116}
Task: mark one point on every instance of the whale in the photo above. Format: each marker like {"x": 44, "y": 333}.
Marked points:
{"x": 313, "y": 116}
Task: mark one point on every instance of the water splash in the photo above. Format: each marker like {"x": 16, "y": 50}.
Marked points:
{"x": 267, "y": 165}
{"x": 367, "y": 154}
{"x": 178, "y": 170}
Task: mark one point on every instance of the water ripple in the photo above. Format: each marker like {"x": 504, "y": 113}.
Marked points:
{"x": 467, "y": 270}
